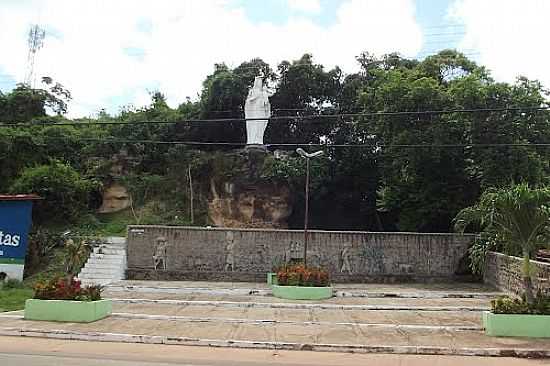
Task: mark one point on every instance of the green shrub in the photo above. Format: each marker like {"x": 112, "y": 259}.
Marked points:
{"x": 66, "y": 193}
{"x": 508, "y": 305}
{"x": 40, "y": 249}
{"x": 66, "y": 289}
{"x": 13, "y": 283}
{"x": 299, "y": 275}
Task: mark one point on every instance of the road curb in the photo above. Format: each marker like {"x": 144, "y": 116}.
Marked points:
{"x": 268, "y": 292}
{"x": 345, "y": 348}
{"x": 282, "y": 305}
{"x": 191, "y": 319}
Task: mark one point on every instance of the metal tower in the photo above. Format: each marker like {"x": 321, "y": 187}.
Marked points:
{"x": 35, "y": 42}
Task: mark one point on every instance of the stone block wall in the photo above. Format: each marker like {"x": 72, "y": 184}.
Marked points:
{"x": 177, "y": 253}
{"x": 504, "y": 272}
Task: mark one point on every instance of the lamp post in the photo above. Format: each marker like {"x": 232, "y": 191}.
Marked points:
{"x": 307, "y": 156}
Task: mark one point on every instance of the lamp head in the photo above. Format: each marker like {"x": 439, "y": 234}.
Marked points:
{"x": 301, "y": 152}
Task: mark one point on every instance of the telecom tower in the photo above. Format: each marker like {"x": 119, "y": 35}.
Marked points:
{"x": 35, "y": 42}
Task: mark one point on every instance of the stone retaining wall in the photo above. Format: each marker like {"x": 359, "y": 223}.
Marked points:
{"x": 177, "y": 253}
{"x": 504, "y": 272}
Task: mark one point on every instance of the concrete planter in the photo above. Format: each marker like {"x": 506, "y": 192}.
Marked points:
{"x": 516, "y": 325}
{"x": 67, "y": 311}
{"x": 302, "y": 293}
{"x": 271, "y": 278}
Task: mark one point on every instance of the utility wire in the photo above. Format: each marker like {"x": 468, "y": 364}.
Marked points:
{"x": 321, "y": 145}
{"x": 286, "y": 118}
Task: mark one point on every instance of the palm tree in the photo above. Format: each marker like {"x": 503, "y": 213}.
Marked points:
{"x": 518, "y": 217}
{"x": 75, "y": 255}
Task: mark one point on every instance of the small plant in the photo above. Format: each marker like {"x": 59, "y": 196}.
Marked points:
{"x": 13, "y": 283}
{"x": 66, "y": 289}
{"x": 300, "y": 275}
{"x": 76, "y": 254}
{"x": 508, "y": 305}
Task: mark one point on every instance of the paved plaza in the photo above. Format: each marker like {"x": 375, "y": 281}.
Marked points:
{"x": 402, "y": 319}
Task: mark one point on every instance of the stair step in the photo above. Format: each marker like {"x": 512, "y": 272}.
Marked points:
{"x": 107, "y": 256}
{"x": 107, "y": 267}
{"x": 102, "y": 270}
{"x": 103, "y": 266}
{"x": 116, "y": 239}
{"x": 109, "y": 251}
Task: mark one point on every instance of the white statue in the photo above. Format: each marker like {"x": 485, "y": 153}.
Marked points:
{"x": 257, "y": 106}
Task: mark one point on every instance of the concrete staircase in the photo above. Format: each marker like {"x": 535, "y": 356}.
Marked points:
{"x": 106, "y": 264}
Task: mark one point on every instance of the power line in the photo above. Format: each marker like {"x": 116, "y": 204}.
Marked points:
{"x": 286, "y": 118}
{"x": 321, "y": 145}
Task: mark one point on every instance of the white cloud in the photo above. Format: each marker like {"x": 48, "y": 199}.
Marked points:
{"x": 181, "y": 42}
{"x": 511, "y": 36}
{"x": 307, "y": 6}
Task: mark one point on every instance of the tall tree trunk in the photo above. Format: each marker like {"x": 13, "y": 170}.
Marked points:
{"x": 527, "y": 282}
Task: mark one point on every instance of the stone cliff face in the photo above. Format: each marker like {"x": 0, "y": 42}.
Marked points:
{"x": 115, "y": 198}
{"x": 240, "y": 205}
{"x": 245, "y": 200}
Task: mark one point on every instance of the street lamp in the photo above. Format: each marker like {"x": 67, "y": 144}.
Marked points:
{"x": 307, "y": 156}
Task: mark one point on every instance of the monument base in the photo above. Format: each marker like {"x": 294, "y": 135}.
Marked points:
{"x": 253, "y": 148}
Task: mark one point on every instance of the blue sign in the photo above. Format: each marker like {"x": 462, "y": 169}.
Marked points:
{"x": 15, "y": 221}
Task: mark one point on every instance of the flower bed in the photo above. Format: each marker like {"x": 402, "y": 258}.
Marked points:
{"x": 66, "y": 301}
{"x": 298, "y": 282}
{"x": 511, "y": 317}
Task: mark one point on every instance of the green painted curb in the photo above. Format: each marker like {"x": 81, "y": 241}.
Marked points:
{"x": 516, "y": 325}
{"x": 302, "y": 292}
{"x": 67, "y": 311}
{"x": 272, "y": 278}
{"x": 12, "y": 261}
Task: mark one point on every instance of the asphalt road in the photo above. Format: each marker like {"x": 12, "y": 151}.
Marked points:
{"x": 19, "y": 351}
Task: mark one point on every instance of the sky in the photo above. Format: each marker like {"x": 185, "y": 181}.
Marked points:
{"x": 111, "y": 54}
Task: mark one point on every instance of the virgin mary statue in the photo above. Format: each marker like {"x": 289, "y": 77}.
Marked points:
{"x": 257, "y": 111}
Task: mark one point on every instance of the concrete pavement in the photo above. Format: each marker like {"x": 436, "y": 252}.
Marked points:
{"x": 443, "y": 319}
{"x": 47, "y": 352}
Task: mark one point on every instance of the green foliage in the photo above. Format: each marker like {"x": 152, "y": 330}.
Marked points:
{"x": 12, "y": 283}
{"x": 517, "y": 218}
{"x": 287, "y": 169}
{"x": 66, "y": 193}
{"x": 76, "y": 254}
{"x": 389, "y": 186}
{"x": 66, "y": 289}
{"x": 299, "y": 275}
{"x": 478, "y": 252}
{"x": 41, "y": 249}
{"x": 507, "y": 305}
{"x": 14, "y": 299}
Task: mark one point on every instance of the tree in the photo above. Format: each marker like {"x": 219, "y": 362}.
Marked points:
{"x": 66, "y": 193}
{"x": 24, "y": 104}
{"x": 303, "y": 88}
{"x": 518, "y": 217}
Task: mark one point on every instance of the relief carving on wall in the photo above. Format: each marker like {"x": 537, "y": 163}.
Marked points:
{"x": 346, "y": 258}
{"x": 160, "y": 254}
{"x": 229, "y": 251}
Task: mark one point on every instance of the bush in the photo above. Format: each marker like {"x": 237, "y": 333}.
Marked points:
{"x": 299, "y": 275}
{"x": 13, "y": 283}
{"x": 66, "y": 289}
{"x": 508, "y": 305}
{"x": 66, "y": 194}
{"x": 40, "y": 250}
